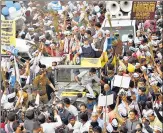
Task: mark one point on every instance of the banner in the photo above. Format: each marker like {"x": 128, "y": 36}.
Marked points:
{"x": 90, "y": 62}
{"x": 8, "y": 34}
{"x": 143, "y": 10}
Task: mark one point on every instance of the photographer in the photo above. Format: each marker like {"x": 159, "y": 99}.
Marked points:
{"x": 63, "y": 113}
{"x": 158, "y": 106}
{"x": 30, "y": 123}
{"x": 9, "y": 126}
{"x": 155, "y": 124}
{"x": 49, "y": 127}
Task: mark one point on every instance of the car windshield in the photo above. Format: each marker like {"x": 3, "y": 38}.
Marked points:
{"x": 123, "y": 31}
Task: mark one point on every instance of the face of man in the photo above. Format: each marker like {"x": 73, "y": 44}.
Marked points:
{"x": 99, "y": 109}
{"x": 151, "y": 118}
{"x": 132, "y": 116}
{"x": 106, "y": 88}
{"x": 82, "y": 109}
{"x": 86, "y": 42}
{"x": 72, "y": 122}
{"x": 94, "y": 118}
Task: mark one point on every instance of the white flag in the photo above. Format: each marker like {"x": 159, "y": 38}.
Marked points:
{"x": 37, "y": 99}
{"x": 17, "y": 71}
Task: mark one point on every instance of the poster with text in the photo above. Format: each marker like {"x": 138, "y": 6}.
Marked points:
{"x": 8, "y": 34}
{"x": 143, "y": 10}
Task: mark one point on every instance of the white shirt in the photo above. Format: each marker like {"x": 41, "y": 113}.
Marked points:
{"x": 85, "y": 127}
{"x": 76, "y": 127}
{"x": 50, "y": 127}
{"x": 87, "y": 79}
{"x": 122, "y": 109}
{"x": 4, "y": 99}
{"x": 72, "y": 109}
{"x": 100, "y": 122}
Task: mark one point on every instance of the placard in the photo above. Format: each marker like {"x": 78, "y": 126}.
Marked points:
{"x": 8, "y": 33}
{"x": 105, "y": 100}
{"x": 90, "y": 62}
{"x": 143, "y": 10}
{"x": 95, "y": 62}
{"x": 121, "y": 81}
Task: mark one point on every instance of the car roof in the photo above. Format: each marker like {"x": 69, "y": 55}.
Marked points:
{"x": 21, "y": 45}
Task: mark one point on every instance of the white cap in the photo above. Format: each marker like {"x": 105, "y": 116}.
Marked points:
{"x": 42, "y": 37}
{"x": 114, "y": 123}
{"x": 143, "y": 68}
{"x": 89, "y": 96}
{"x": 154, "y": 37}
{"x": 123, "y": 112}
{"x": 34, "y": 8}
{"x": 52, "y": 45}
{"x": 120, "y": 68}
{"x": 47, "y": 42}
{"x": 150, "y": 112}
{"x": 130, "y": 40}
{"x": 141, "y": 47}
{"x": 109, "y": 128}
{"x": 12, "y": 95}
{"x": 30, "y": 3}
{"x": 94, "y": 114}
{"x": 48, "y": 23}
{"x": 125, "y": 58}
{"x": 30, "y": 29}
{"x": 36, "y": 24}
{"x": 75, "y": 28}
{"x": 138, "y": 31}
{"x": 82, "y": 28}
{"x": 137, "y": 64}
{"x": 135, "y": 75}
{"x": 148, "y": 54}
{"x": 107, "y": 32}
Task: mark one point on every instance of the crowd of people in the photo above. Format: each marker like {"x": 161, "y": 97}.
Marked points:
{"x": 77, "y": 32}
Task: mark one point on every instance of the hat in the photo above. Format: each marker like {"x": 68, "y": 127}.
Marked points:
{"x": 82, "y": 28}
{"x": 30, "y": 3}
{"x": 30, "y": 29}
{"x": 47, "y": 42}
{"x": 34, "y": 8}
{"x": 141, "y": 47}
{"x": 130, "y": 40}
{"x": 123, "y": 113}
{"x": 75, "y": 28}
{"x": 114, "y": 123}
{"x": 52, "y": 45}
{"x": 109, "y": 128}
{"x": 143, "y": 68}
{"x": 107, "y": 32}
{"x": 135, "y": 75}
{"x": 149, "y": 112}
{"x": 125, "y": 58}
{"x": 42, "y": 37}
{"x": 12, "y": 95}
{"x": 94, "y": 114}
{"x": 133, "y": 49}
{"x": 36, "y": 24}
{"x": 89, "y": 96}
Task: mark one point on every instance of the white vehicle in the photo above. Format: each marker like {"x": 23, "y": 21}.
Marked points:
{"x": 120, "y": 13}
{"x": 124, "y": 27}
{"x": 24, "y": 50}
